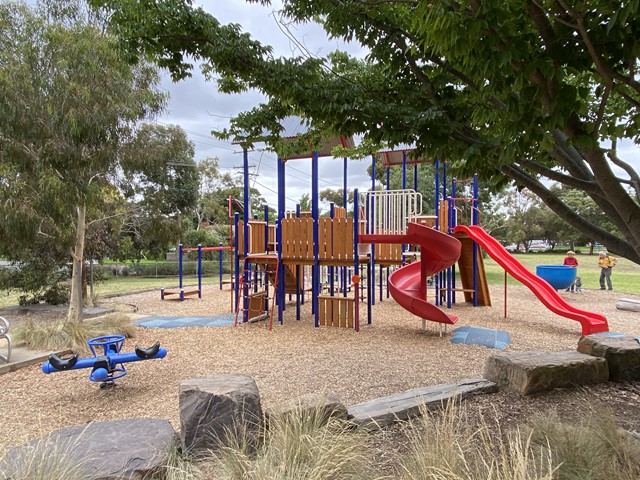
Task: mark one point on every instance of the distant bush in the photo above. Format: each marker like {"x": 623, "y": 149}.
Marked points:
{"x": 57, "y": 294}
{"x": 166, "y": 269}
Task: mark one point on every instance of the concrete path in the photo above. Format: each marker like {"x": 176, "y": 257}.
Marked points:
{"x": 23, "y": 357}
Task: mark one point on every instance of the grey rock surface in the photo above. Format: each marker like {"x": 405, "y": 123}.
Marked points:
{"x": 130, "y": 449}
{"x": 213, "y": 407}
{"x": 384, "y": 411}
{"x": 621, "y": 353}
{"x": 531, "y": 372}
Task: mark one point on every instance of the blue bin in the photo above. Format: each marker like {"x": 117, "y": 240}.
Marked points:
{"x": 558, "y": 276}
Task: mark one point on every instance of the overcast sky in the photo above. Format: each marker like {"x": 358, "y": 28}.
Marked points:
{"x": 197, "y": 107}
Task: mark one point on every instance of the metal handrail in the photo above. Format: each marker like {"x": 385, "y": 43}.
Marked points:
{"x": 388, "y": 211}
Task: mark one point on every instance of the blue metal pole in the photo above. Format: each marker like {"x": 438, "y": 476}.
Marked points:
{"x": 315, "y": 213}
{"x": 236, "y": 283}
{"x": 388, "y": 188}
{"x": 437, "y": 206}
{"x": 245, "y": 205}
{"x": 345, "y": 199}
{"x": 281, "y": 206}
{"x": 199, "y": 270}
{"x": 220, "y": 260}
{"x": 371, "y": 281}
{"x": 356, "y": 222}
{"x": 404, "y": 170}
{"x": 451, "y": 297}
{"x": 345, "y": 196}
{"x": 475, "y": 245}
{"x": 180, "y": 266}
{"x": 331, "y": 268}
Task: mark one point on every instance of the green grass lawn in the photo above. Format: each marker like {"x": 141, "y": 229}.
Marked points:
{"x": 117, "y": 286}
{"x": 625, "y": 276}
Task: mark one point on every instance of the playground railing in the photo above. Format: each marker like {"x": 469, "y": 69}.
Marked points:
{"x": 388, "y": 211}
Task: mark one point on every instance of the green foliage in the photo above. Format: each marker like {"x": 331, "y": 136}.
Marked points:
{"x": 70, "y": 108}
{"x": 57, "y": 294}
{"x": 517, "y": 95}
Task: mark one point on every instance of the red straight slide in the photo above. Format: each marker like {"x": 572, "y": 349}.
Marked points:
{"x": 591, "y": 322}
{"x": 408, "y": 284}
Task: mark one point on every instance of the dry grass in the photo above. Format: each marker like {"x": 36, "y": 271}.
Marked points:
{"x": 62, "y": 334}
{"x": 391, "y": 355}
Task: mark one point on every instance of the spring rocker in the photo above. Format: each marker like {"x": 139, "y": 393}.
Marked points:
{"x": 107, "y": 363}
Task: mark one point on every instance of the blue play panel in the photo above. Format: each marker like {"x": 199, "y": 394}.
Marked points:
{"x": 488, "y": 337}
{"x": 176, "y": 322}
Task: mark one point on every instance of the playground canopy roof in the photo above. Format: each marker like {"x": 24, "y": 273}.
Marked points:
{"x": 295, "y": 126}
{"x": 395, "y": 156}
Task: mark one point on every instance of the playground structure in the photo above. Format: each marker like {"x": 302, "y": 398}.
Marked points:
{"x": 278, "y": 259}
{"x": 183, "y": 292}
{"x": 107, "y": 363}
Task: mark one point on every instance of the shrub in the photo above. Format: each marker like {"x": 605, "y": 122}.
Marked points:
{"x": 61, "y": 334}
{"x": 57, "y": 294}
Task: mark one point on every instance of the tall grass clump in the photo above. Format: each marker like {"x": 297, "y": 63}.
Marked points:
{"x": 61, "y": 334}
{"x": 594, "y": 449}
{"x": 44, "y": 460}
{"x": 179, "y": 467}
{"x": 442, "y": 446}
{"x": 299, "y": 445}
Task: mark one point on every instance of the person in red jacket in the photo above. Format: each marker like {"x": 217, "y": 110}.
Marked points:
{"x": 571, "y": 261}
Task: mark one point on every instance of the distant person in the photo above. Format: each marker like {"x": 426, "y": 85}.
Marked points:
{"x": 606, "y": 263}
{"x": 571, "y": 261}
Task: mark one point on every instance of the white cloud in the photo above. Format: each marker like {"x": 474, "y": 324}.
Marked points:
{"x": 198, "y": 107}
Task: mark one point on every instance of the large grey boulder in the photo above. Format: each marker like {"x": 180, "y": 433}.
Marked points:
{"x": 211, "y": 408}
{"x": 621, "y": 353}
{"x": 131, "y": 449}
{"x": 384, "y": 411}
{"x": 532, "y": 372}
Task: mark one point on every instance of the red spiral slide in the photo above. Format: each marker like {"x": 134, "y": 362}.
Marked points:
{"x": 408, "y": 284}
{"x": 591, "y": 322}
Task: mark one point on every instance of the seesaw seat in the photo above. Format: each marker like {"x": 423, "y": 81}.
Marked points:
{"x": 152, "y": 351}
{"x": 63, "y": 363}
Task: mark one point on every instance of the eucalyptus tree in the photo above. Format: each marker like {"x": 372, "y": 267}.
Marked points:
{"x": 516, "y": 91}
{"x": 68, "y": 103}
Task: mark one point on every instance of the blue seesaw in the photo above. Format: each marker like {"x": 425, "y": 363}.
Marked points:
{"x": 107, "y": 363}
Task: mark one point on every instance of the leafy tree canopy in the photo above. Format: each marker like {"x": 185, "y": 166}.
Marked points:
{"x": 522, "y": 92}
{"x": 71, "y": 145}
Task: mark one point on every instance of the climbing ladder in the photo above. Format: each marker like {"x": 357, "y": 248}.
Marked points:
{"x": 255, "y": 303}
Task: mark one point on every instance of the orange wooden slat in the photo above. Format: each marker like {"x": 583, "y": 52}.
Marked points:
{"x": 322, "y": 310}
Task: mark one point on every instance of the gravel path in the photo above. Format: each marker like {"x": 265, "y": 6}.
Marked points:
{"x": 391, "y": 355}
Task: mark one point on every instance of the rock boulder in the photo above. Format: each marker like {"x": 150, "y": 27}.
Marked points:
{"x": 131, "y": 449}
{"x": 213, "y": 407}
{"x": 621, "y": 353}
{"x": 532, "y": 372}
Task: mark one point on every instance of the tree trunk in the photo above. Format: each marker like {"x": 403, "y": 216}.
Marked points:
{"x": 75, "y": 303}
